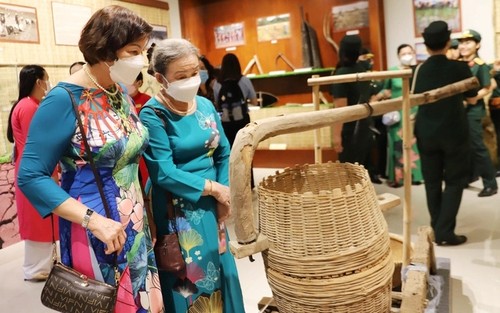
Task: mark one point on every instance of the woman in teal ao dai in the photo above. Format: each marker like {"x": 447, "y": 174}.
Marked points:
{"x": 188, "y": 157}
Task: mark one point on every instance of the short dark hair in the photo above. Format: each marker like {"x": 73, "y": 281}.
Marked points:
{"x": 108, "y": 30}
{"x": 139, "y": 77}
{"x": 404, "y": 45}
{"x": 75, "y": 64}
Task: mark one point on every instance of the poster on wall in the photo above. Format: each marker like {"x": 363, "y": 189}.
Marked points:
{"x": 18, "y": 24}
{"x": 229, "y": 35}
{"x": 273, "y": 27}
{"x": 350, "y": 16}
{"x": 69, "y": 20}
{"x": 427, "y": 11}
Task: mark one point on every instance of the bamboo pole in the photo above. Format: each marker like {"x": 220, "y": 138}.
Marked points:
{"x": 318, "y": 157}
{"x": 249, "y": 241}
{"x": 407, "y": 138}
{"x": 328, "y": 80}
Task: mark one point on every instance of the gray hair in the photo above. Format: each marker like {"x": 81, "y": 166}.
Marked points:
{"x": 170, "y": 50}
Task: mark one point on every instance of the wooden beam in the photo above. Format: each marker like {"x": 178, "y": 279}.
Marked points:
{"x": 150, "y": 3}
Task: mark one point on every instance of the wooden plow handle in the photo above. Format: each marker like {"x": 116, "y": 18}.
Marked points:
{"x": 249, "y": 241}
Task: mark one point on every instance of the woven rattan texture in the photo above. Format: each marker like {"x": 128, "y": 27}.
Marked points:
{"x": 329, "y": 242}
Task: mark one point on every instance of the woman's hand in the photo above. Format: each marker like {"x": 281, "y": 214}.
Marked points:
{"x": 223, "y": 212}
{"x": 221, "y": 193}
{"x": 108, "y": 231}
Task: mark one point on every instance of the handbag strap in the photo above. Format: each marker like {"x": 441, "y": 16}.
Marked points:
{"x": 414, "y": 78}
{"x": 170, "y": 204}
{"x": 98, "y": 180}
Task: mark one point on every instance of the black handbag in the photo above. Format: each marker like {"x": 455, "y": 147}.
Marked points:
{"x": 167, "y": 249}
{"x": 67, "y": 290}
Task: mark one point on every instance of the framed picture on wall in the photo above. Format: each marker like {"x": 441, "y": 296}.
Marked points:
{"x": 427, "y": 11}
{"x": 69, "y": 20}
{"x": 18, "y": 23}
{"x": 350, "y": 16}
{"x": 273, "y": 27}
{"x": 229, "y": 35}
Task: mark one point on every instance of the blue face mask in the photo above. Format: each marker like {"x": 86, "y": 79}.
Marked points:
{"x": 203, "y": 76}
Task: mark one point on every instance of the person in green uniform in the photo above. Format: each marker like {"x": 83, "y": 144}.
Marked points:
{"x": 442, "y": 134}
{"x": 352, "y": 140}
{"x": 481, "y": 164}
{"x": 494, "y": 106}
{"x": 393, "y": 88}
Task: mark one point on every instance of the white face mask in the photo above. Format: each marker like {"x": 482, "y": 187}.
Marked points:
{"x": 183, "y": 90}
{"x": 407, "y": 59}
{"x": 126, "y": 70}
{"x": 49, "y": 87}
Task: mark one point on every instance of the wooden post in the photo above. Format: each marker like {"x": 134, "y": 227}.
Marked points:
{"x": 318, "y": 157}
{"x": 407, "y": 139}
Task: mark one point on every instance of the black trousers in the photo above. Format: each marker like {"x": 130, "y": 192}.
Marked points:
{"x": 357, "y": 143}
{"x": 443, "y": 160}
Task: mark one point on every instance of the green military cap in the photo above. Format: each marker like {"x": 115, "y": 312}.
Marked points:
{"x": 470, "y": 34}
{"x": 437, "y": 33}
{"x": 454, "y": 44}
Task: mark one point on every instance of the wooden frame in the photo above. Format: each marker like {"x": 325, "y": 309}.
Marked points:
{"x": 229, "y": 35}
{"x": 18, "y": 24}
{"x": 271, "y": 28}
{"x": 159, "y": 33}
{"x": 69, "y": 20}
{"x": 350, "y": 16}
{"x": 150, "y": 3}
{"x": 424, "y": 13}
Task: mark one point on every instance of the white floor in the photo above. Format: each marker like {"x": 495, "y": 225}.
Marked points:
{"x": 475, "y": 266}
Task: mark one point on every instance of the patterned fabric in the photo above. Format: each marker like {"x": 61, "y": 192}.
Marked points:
{"x": 117, "y": 139}
{"x": 183, "y": 152}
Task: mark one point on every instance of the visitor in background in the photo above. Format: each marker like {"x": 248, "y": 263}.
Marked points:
{"x": 442, "y": 135}
{"x": 481, "y": 164}
{"x": 75, "y": 67}
{"x": 376, "y": 161}
{"x": 36, "y": 231}
{"x": 231, "y": 72}
{"x": 140, "y": 98}
{"x": 352, "y": 140}
{"x": 208, "y": 78}
{"x": 494, "y": 106}
{"x": 393, "y": 88}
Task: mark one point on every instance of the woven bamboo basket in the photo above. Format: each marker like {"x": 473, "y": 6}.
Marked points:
{"x": 329, "y": 242}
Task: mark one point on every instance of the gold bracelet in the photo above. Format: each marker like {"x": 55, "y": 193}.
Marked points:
{"x": 211, "y": 187}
